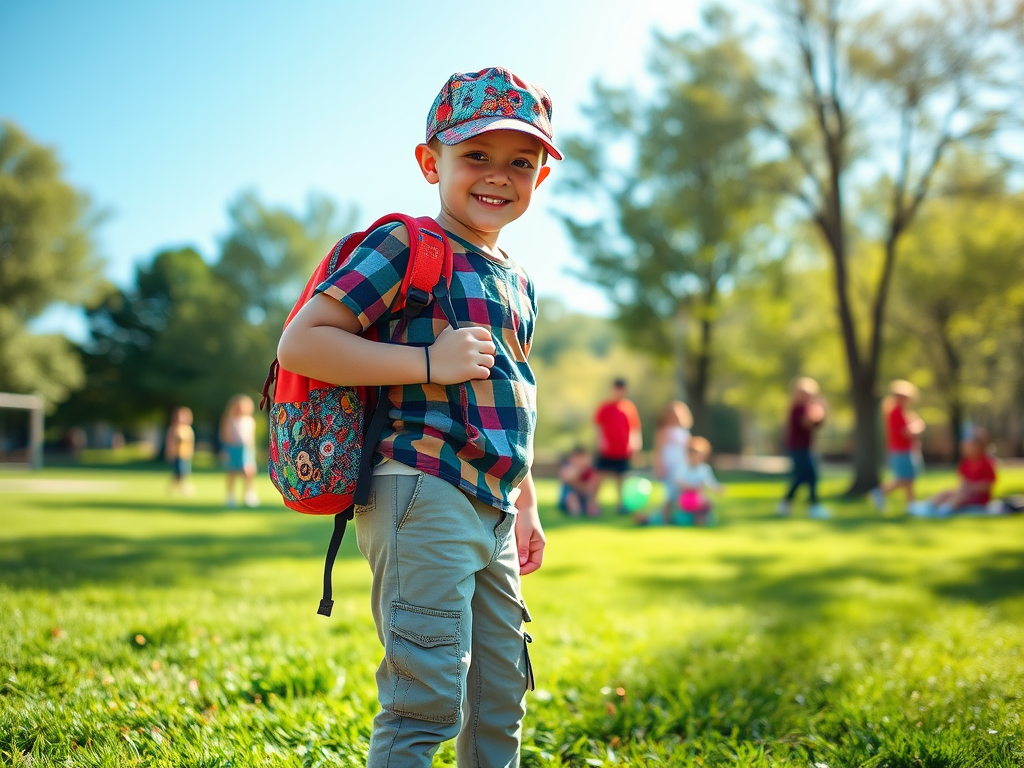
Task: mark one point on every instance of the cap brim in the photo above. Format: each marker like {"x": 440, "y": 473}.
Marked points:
{"x": 472, "y": 128}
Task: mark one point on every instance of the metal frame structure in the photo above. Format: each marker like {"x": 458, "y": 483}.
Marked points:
{"x": 35, "y": 405}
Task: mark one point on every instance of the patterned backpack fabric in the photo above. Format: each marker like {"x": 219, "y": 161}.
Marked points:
{"x": 322, "y": 436}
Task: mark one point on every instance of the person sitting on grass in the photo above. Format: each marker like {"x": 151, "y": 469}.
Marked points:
{"x": 578, "y": 484}
{"x": 695, "y": 479}
{"x": 688, "y": 488}
{"x": 977, "y": 473}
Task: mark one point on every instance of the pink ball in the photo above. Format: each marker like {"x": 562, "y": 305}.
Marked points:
{"x": 691, "y": 501}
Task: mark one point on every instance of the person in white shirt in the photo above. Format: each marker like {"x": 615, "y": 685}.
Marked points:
{"x": 694, "y": 479}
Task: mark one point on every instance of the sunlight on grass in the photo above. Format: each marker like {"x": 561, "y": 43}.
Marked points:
{"x": 145, "y": 630}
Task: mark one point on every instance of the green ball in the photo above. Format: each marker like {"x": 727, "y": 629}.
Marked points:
{"x": 636, "y": 492}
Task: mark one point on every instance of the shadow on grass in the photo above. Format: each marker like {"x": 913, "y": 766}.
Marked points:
{"x": 57, "y": 562}
{"x": 167, "y": 506}
{"x": 995, "y": 577}
{"x": 983, "y": 581}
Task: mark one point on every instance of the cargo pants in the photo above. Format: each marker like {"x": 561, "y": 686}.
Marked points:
{"x": 447, "y": 604}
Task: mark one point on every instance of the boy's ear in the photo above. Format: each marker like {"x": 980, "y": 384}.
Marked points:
{"x": 427, "y": 161}
{"x": 542, "y": 174}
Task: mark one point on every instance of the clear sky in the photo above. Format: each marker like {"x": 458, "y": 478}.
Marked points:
{"x": 164, "y": 111}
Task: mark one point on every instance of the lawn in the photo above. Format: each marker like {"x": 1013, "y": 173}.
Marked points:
{"x": 143, "y": 630}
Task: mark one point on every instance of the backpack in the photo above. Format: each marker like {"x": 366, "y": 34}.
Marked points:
{"x": 322, "y": 436}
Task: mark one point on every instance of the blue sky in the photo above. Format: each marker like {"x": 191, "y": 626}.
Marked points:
{"x": 164, "y": 111}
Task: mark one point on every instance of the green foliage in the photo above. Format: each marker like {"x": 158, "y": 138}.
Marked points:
{"x": 961, "y": 299}
{"x": 192, "y": 640}
{"x": 679, "y": 212}
{"x": 191, "y": 333}
{"x": 46, "y": 256}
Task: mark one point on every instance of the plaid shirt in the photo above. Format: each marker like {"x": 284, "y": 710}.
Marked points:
{"x": 478, "y": 435}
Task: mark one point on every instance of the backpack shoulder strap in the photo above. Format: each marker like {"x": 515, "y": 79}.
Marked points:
{"x": 430, "y": 261}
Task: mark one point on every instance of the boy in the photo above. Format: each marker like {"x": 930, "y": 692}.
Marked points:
{"x": 903, "y": 430}
{"x": 694, "y": 479}
{"x": 619, "y": 437}
{"x": 977, "y": 473}
{"x": 179, "y": 446}
{"x": 452, "y": 520}
{"x": 806, "y": 415}
{"x": 577, "y": 475}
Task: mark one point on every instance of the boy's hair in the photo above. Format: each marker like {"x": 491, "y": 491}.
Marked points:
{"x": 700, "y": 445}
{"x": 903, "y": 388}
{"x": 676, "y": 412}
{"x": 493, "y": 99}
{"x": 806, "y": 385}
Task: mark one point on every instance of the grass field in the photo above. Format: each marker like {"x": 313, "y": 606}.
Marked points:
{"x": 140, "y": 630}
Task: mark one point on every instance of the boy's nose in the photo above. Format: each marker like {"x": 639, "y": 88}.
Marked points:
{"x": 499, "y": 178}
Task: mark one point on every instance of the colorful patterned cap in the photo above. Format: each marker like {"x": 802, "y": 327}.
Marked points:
{"x": 493, "y": 99}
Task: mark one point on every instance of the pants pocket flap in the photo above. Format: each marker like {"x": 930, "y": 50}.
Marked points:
{"x": 424, "y": 626}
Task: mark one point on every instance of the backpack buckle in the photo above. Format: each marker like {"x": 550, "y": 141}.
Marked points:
{"x": 415, "y": 301}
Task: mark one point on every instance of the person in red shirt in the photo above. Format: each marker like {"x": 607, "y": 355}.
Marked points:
{"x": 806, "y": 415}
{"x": 618, "y": 426}
{"x": 902, "y": 438}
{"x": 977, "y": 474}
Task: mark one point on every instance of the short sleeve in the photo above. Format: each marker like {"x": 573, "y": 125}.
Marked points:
{"x": 632, "y": 415}
{"x": 368, "y": 281}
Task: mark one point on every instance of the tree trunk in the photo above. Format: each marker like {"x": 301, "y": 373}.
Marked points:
{"x": 866, "y": 437}
{"x": 954, "y": 403}
{"x": 701, "y": 377}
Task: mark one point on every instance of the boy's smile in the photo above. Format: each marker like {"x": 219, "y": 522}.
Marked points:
{"x": 485, "y": 182}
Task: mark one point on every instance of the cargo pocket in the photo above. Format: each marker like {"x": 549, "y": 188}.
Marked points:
{"x": 425, "y": 659}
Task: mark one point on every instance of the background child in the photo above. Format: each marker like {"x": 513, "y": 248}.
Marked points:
{"x": 694, "y": 479}
{"x": 238, "y": 442}
{"x": 452, "y": 521}
{"x": 578, "y": 481}
{"x": 902, "y": 438}
{"x": 977, "y": 472}
{"x": 670, "y": 440}
{"x": 179, "y": 446}
{"x": 619, "y": 437}
{"x": 806, "y": 415}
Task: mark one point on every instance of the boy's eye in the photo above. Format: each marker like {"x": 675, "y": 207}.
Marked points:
{"x": 476, "y": 156}
{"x": 522, "y": 163}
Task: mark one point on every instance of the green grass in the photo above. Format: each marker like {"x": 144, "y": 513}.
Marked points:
{"x": 141, "y": 630}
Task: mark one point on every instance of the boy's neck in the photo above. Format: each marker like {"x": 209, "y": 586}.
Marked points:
{"x": 486, "y": 242}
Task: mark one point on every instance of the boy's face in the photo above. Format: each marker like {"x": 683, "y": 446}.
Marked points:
{"x": 971, "y": 448}
{"x": 486, "y": 181}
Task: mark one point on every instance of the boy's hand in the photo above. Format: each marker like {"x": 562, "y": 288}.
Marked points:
{"x": 529, "y": 532}
{"x": 530, "y": 539}
{"x": 461, "y": 355}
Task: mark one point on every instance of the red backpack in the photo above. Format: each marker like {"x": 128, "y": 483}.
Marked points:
{"x": 321, "y": 441}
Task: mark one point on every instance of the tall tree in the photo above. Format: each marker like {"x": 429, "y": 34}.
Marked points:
{"x": 888, "y": 93}
{"x": 960, "y": 295}
{"x": 679, "y": 212}
{"x": 46, "y": 256}
{"x": 191, "y": 333}
{"x": 270, "y": 252}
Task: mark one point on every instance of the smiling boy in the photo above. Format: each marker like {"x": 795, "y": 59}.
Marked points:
{"x": 452, "y": 520}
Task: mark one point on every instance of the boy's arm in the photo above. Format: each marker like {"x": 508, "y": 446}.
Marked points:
{"x": 530, "y": 539}
{"x": 321, "y": 342}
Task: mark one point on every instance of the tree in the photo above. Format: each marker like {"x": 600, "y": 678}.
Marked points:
{"x": 46, "y": 256}
{"x": 681, "y": 212}
{"x": 271, "y": 252}
{"x": 191, "y": 333}
{"x": 961, "y": 301}
{"x": 880, "y": 95}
